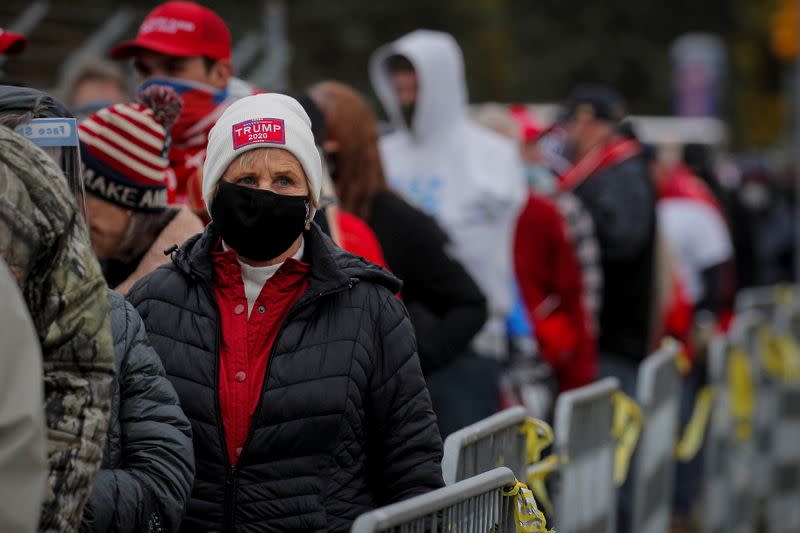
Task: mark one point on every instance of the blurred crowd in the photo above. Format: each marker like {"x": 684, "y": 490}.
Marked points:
{"x": 230, "y": 309}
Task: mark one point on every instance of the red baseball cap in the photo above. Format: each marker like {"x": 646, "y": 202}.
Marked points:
{"x": 12, "y": 43}
{"x": 181, "y": 29}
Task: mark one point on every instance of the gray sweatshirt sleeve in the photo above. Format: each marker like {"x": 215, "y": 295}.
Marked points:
{"x": 23, "y": 460}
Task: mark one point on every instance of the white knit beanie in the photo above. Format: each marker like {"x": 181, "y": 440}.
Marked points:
{"x": 261, "y": 121}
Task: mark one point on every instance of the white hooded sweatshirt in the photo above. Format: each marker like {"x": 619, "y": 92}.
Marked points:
{"x": 466, "y": 176}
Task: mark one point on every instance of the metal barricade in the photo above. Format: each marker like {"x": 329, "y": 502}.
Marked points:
{"x": 759, "y": 299}
{"x": 475, "y": 504}
{"x": 779, "y": 374}
{"x": 730, "y": 502}
{"x": 658, "y": 395}
{"x": 585, "y": 497}
{"x": 490, "y": 443}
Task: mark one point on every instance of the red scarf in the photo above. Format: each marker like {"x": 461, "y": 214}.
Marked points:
{"x": 202, "y": 106}
{"x": 682, "y": 183}
{"x": 597, "y": 159}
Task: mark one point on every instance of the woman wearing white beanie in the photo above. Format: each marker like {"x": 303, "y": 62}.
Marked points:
{"x": 293, "y": 360}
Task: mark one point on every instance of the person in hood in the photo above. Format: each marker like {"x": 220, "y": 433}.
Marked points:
{"x": 44, "y": 242}
{"x": 293, "y": 359}
{"x": 187, "y": 46}
{"x": 123, "y": 152}
{"x": 467, "y": 177}
{"x": 612, "y": 180}
{"x": 147, "y": 466}
{"x": 446, "y": 307}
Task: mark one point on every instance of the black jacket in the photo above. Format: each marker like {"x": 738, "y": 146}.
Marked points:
{"x": 446, "y": 306}
{"x": 344, "y": 423}
{"x": 148, "y": 463}
{"x": 622, "y": 202}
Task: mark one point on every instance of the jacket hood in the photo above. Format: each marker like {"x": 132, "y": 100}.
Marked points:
{"x": 331, "y": 267}
{"x": 20, "y": 100}
{"x": 36, "y": 208}
{"x": 442, "y": 96}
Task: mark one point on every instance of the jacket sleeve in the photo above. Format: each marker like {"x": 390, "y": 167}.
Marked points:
{"x": 22, "y": 442}
{"x": 405, "y": 448}
{"x": 149, "y": 490}
{"x": 446, "y": 307}
{"x": 78, "y": 368}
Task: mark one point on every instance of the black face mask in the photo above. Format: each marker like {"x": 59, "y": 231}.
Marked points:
{"x": 408, "y": 111}
{"x": 260, "y": 225}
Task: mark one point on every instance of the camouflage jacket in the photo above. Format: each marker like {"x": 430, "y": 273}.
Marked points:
{"x": 43, "y": 239}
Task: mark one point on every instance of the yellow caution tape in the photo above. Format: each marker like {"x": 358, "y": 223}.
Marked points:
{"x": 527, "y": 516}
{"x": 539, "y": 436}
{"x": 742, "y": 393}
{"x": 683, "y": 362}
{"x": 791, "y": 357}
{"x": 784, "y": 295}
{"x": 626, "y": 429}
{"x": 695, "y": 431}
{"x": 780, "y": 355}
{"x": 536, "y": 480}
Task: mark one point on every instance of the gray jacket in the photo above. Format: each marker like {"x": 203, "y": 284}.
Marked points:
{"x": 22, "y": 431}
{"x": 148, "y": 463}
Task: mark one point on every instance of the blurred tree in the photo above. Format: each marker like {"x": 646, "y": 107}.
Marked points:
{"x": 515, "y": 50}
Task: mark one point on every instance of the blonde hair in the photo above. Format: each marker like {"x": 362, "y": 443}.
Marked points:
{"x": 249, "y": 159}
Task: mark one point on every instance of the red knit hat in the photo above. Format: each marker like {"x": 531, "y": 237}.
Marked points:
{"x": 124, "y": 149}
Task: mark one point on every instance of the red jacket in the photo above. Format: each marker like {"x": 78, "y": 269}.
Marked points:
{"x": 246, "y": 343}
{"x": 552, "y": 288}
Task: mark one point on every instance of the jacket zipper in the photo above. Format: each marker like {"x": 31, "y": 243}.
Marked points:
{"x": 231, "y": 480}
{"x": 230, "y": 471}
{"x": 289, "y": 316}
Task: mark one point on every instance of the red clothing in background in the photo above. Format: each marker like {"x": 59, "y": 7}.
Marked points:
{"x": 357, "y": 238}
{"x": 551, "y": 284}
{"x": 245, "y": 344}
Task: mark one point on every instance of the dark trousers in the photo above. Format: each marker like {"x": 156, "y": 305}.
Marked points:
{"x": 688, "y": 476}
{"x": 465, "y": 391}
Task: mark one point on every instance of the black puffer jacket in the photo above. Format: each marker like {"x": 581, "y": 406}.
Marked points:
{"x": 344, "y": 423}
{"x": 148, "y": 462}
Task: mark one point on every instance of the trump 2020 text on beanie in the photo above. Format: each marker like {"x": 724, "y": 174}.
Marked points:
{"x": 261, "y": 121}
